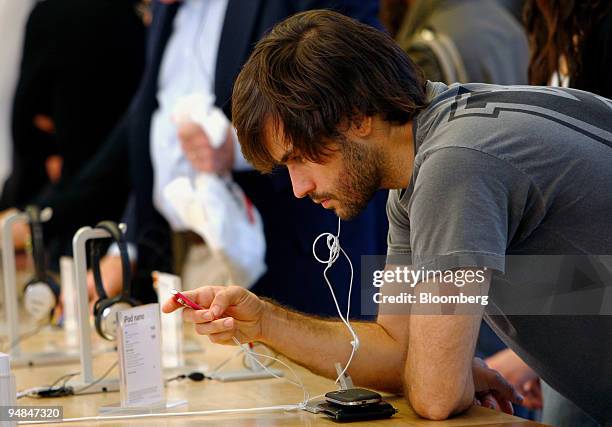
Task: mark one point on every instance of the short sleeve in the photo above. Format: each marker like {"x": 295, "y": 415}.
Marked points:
{"x": 464, "y": 203}
{"x": 398, "y": 238}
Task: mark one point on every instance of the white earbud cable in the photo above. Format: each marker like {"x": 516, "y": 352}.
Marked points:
{"x": 333, "y": 244}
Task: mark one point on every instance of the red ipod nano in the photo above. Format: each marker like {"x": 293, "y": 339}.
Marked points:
{"x": 184, "y": 301}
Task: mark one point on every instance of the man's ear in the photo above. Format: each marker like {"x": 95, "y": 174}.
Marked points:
{"x": 362, "y": 128}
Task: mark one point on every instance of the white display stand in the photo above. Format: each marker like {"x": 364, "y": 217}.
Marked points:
{"x": 86, "y": 378}
{"x": 11, "y": 303}
{"x": 69, "y": 299}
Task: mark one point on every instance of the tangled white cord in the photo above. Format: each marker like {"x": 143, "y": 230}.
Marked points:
{"x": 251, "y": 355}
{"x": 333, "y": 244}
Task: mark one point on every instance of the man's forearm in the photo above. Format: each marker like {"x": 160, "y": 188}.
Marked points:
{"x": 318, "y": 344}
{"x": 438, "y": 377}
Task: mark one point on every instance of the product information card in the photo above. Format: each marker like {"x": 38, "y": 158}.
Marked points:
{"x": 139, "y": 346}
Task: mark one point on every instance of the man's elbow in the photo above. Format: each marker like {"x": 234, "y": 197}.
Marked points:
{"x": 435, "y": 407}
{"x": 436, "y": 411}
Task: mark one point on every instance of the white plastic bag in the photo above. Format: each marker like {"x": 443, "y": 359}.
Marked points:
{"x": 216, "y": 208}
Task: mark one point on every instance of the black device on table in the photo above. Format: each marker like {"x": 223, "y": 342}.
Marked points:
{"x": 355, "y": 404}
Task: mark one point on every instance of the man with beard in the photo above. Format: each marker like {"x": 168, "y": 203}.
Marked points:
{"x": 477, "y": 172}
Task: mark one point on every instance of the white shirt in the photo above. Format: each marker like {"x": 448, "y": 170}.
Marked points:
{"x": 188, "y": 66}
{"x": 13, "y": 17}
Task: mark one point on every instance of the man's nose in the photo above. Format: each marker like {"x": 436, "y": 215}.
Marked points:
{"x": 301, "y": 182}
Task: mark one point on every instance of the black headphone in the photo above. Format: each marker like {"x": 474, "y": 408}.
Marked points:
{"x": 41, "y": 292}
{"x": 105, "y": 308}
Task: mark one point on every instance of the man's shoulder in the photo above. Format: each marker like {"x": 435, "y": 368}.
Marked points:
{"x": 476, "y": 111}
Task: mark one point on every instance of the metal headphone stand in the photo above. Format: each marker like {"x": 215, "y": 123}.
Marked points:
{"x": 19, "y": 358}
{"x": 86, "y": 379}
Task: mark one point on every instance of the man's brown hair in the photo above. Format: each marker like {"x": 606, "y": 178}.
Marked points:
{"x": 561, "y": 28}
{"x": 314, "y": 75}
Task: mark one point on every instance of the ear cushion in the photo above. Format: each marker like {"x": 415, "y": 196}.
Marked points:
{"x": 99, "y": 308}
{"x": 41, "y": 297}
{"x": 105, "y": 311}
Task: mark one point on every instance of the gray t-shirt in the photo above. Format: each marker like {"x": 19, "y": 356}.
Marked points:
{"x": 515, "y": 170}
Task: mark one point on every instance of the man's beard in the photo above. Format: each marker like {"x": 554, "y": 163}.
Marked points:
{"x": 357, "y": 182}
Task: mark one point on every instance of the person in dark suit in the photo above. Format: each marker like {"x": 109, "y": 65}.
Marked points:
{"x": 81, "y": 65}
{"x": 290, "y": 225}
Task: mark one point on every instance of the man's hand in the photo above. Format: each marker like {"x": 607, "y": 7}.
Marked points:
{"x": 202, "y": 156}
{"x": 235, "y": 312}
{"x": 520, "y": 375}
{"x": 491, "y": 388}
{"x": 532, "y": 390}
{"x": 112, "y": 277}
{"x": 228, "y": 311}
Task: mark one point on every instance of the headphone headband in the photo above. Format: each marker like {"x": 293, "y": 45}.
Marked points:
{"x": 117, "y": 235}
{"x": 38, "y": 244}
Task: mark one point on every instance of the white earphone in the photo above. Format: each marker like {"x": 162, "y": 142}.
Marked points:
{"x": 333, "y": 244}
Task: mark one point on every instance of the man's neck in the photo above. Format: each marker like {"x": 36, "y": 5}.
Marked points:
{"x": 398, "y": 156}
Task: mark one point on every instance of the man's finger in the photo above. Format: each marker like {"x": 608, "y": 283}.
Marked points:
{"x": 225, "y": 298}
{"x": 225, "y": 338}
{"x": 201, "y": 296}
{"x": 488, "y": 401}
{"x": 220, "y": 325}
{"x": 204, "y": 296}
{"x": 197, "y": 316}
{"x": 496, "y": 382}
{"x": 504, "y": 404}
{"x": 170, "y": 305}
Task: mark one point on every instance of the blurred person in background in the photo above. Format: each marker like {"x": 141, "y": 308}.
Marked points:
{"x": 82, "y": 62}
{"x": 571, "y": 46}
{"x": 571, "y": 42}
{"x": 13, "y": 16}
{"x": 461, "y": 40}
